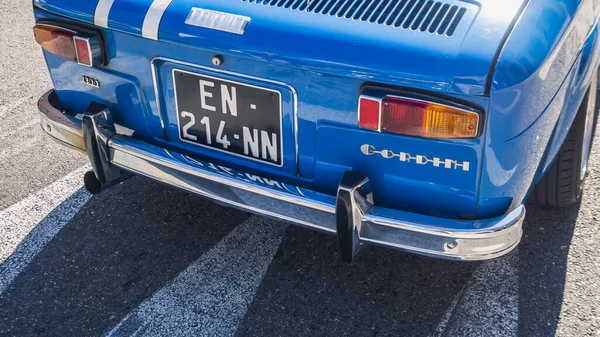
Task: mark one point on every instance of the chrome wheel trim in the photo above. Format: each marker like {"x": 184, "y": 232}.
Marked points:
{"x": 588, "y": 127}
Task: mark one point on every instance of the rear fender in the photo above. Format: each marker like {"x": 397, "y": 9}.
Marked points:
{"x": 536, "y": 80}
{"x": 586, "y": 67}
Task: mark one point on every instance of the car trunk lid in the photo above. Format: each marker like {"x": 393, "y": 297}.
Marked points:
{"x": 445, "y": 45}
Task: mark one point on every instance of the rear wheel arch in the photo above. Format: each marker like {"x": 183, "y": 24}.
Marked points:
{"x": 562, "y": 184}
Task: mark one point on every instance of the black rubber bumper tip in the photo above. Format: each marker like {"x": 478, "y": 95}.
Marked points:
{"x": 354, "y": 198}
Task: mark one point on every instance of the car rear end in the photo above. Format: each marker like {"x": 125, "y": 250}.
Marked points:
{"x": 361, "y": 118}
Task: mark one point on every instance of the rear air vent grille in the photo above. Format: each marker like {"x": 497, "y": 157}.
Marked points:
{"x": 420, "y": 15}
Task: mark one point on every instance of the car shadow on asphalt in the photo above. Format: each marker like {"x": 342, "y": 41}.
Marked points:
{"x": 309, "y": 291}
{"x": 543, "y": 254}
{"x": 121, "y": 247}
{"x": 130, "y": 241}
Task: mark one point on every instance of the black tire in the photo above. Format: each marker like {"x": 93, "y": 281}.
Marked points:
{"x": 562, "y": 185}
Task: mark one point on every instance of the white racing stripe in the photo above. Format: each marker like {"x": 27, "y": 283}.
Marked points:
{"x": 153, "y": 17}
{"x": 489, "y": 304}
{"x": 101, "y": 13}
{"x": 28, "y": 225}
{"x": 211, "y": 296}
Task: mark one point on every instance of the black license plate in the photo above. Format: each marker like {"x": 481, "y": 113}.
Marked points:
{"x": 237, "y": 118}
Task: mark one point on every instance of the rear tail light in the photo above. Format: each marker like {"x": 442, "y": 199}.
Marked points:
{"x": 56, "y": 40}
{"x": 84, "y": 50}
{"x": 82, "y": 47}
{"x": 413, "y": 117}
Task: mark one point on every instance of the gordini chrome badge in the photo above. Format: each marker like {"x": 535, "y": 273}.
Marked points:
{"x": 225, "y": 22}
{"x": 417, "y": 158}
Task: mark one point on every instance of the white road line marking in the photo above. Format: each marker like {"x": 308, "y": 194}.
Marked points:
{"x": 28, "y": 225}
{"x": 489, "y": 304}
{"x": 153, "y": 17}
{"x": 444, "y": 322}
{"x": 211, "y": 296}
{"x": 102, "y": 11}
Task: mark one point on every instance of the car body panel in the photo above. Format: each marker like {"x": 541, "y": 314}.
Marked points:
{"x": 132, "y": 56}
{"x": 523, "y": 66}
{"x": 359, "y": 49}
{"x": 534, "y": 96}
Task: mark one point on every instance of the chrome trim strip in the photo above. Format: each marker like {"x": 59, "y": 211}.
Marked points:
{"x": 483, "y": 239}
{"x": 125, "y": 144}
{"x": 159, "y": 164}
{"x": 497, "y": 237}
{"x": 474, "y": 244}
{"x": 499, "y": 224}
{"x": 102, "y": 11}
{"x": 153, "y": 17}
{"x": 155, "y": 75}
{"x": 156, "y": 97}
{"x": 295, "y": 118}
{"x": 61, "y": 127}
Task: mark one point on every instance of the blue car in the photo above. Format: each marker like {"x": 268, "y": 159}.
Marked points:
{"x": 419, "y": 125}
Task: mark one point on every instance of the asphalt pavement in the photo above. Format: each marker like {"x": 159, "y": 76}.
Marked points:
{"x": 145, "y": 259}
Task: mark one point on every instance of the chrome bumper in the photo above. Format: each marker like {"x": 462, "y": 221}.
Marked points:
{"x": 350, "y": 214}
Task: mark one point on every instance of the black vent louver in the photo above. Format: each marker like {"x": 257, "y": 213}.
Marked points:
{"x": 420, "y": 15}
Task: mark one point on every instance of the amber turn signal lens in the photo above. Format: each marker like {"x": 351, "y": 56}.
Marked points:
{"x": 56, "y": 40}
{"x": 425, "y": 119}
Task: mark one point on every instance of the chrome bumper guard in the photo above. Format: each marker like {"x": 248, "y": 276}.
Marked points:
{"x": 351, "y": 214}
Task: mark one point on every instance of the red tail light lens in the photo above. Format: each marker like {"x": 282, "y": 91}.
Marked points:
{"x": 368, "y": 113}
{"x": 412, "y": 117}
{"x": 56, "y": 40}
{"x": 83, "y": 47}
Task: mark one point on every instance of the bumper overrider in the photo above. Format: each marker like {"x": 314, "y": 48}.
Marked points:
{"x": 350, "y": 214}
